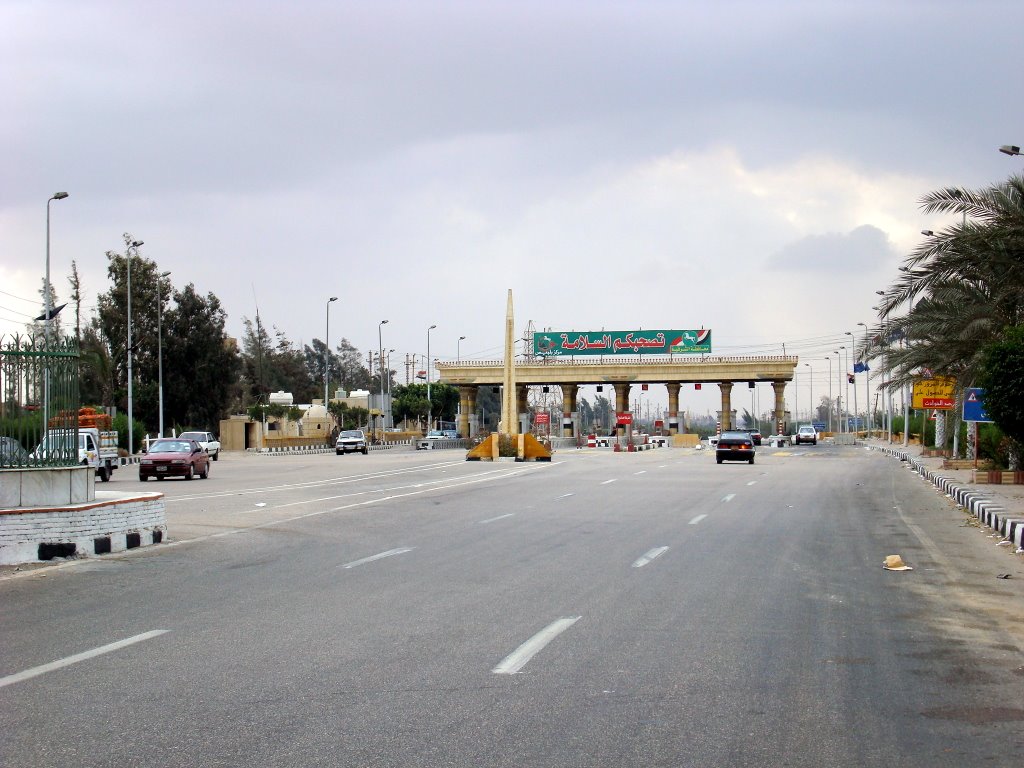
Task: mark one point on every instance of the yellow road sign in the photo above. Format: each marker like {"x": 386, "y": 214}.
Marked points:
{"x": 935, "y": 393}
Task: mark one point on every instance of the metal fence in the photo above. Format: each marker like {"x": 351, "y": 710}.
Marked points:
{"x": 38, "y": 387}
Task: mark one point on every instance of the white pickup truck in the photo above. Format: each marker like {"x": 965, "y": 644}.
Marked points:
{"x": 95, "y": 448}
{"x": 207, "y": 440}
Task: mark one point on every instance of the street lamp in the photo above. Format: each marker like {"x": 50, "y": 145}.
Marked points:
{"x": 829, "y": 393}
{"x": 867, "y": 381}
{"x": 128, "y": 268}
{"x": 380, "y": 346}
{"x": 327, "y": 352}
{"x": 849, "y": 372}
{"x": 1010, "y": 149}
{"x": 839, "y": 409}
{"x": 49, "y": 311}
{"x": 160, "y": 344}
{"x": 810, "y": 392}
{"x": 846, "y": 383}
{"x": 458, "y": 352}
{"x": 430, "y": 403}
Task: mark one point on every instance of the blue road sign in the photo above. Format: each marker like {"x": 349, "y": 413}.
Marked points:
{"x": 974, "y": 405}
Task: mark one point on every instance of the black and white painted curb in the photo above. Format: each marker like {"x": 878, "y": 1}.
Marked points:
{"x": 310, "y": 451}
{"x": 978, "y": 503}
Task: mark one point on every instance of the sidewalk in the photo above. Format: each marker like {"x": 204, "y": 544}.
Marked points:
{"x": 1000, "y": 507}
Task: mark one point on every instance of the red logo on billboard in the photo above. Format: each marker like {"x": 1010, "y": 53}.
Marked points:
{"x": 624, "y": 418}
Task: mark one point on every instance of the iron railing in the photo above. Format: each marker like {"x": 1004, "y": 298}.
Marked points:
{"x": 38, "y": 387}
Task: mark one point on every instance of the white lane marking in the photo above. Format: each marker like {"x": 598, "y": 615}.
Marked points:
{"x": 606, "y": 482}
{"x": 752, "y": 482}
{"x": 69, "y": 660}
{"x": 499, "y": 517}
{"x": 518, "y": 659}
{"x": 649, "y": 556}
{"x": 697, "y": 519}
{"x": 566, "y": 495}
{"x": 641, "y": 472}
{"x": 380, "y": 556}
{"x": 727, "y": 499}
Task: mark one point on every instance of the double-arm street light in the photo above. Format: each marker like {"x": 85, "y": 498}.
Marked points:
{"x": 160, "y": 344}
{"x": 380, "y": 344}
{"x": 327, "y": 352}
{"x": 132, "y": 245}
{"x": 829, "y": 359}
{"x": 48, "y": 312}
{"x": 430, "y": 403}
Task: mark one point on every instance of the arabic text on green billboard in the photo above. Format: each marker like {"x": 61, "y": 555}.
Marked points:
{"x": 557, "y": 343}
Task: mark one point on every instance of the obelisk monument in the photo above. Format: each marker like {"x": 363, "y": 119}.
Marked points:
{"x": 509, "y": 417}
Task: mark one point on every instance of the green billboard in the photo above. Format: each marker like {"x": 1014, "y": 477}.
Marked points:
{"x": 559, "y": 343}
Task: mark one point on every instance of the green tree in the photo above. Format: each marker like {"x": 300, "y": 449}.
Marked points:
{"x": 201, "y": 365}
{"x": 958, "y": 290}
{"x": 1002, "y": 377}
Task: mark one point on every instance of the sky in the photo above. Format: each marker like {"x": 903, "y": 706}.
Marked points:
{"x": 755, "y": 168}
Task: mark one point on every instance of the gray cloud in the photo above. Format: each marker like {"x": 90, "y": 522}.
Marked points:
{"x": 865, "y": 248}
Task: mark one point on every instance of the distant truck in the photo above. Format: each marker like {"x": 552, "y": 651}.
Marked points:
{"x": 96, "y": 448}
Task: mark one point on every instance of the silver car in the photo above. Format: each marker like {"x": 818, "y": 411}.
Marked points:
{"x": 351, "y": 441}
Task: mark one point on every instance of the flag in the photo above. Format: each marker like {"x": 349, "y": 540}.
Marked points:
{"x": 860, "y": 367}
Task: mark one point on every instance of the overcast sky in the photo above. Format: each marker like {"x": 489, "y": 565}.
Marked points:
{"x": 750, "y": 167}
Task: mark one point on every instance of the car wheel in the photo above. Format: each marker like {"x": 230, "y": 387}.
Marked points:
{"x": 190, "y": 472}
{"x": 206, "y": 472}
{"x": 718, "y": 459}
{"x": 159, "y": 478}
{"x": 814, "y": 442}
{"x": 751, "y": 459}
{"x": 105, "y": 473}
{"x": 216, "y": 455}
{"x": 143, "y": 478}
{"x": 365, "y": 451}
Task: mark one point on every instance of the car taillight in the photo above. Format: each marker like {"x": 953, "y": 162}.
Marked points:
{"x": 748, "y": 445}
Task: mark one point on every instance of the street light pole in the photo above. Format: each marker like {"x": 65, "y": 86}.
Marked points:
{"x": 430, "y": 403}
{"x": 380, "y": 344}
{"x": 128, "y": 268}
{"x": 327, "y": 352}
{"x": 160, "y": 345}
{"x": 46, "y": 318}
{"x": 839, "y": 407}
{"x": 829, "y": 359}
{"x": 853, "y": 356}
{"x": 810, "y": 392}
{"x": 458, "y": 350}
{"x": 867, "y": 382}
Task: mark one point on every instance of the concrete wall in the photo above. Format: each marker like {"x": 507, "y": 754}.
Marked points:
{"x": 84, "y": 530}
{"x": 47, "y": 486}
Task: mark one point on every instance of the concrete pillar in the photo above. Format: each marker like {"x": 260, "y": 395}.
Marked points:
{"x": 569, "y": 414}
{"x": 780, "y": 406}
{"x": 621, "y": 404}
{"x": 673, "y": 407}
{"x": 467, "y": 411}
{"x": 523, "y": 409}
{"x": 726, "y": 387}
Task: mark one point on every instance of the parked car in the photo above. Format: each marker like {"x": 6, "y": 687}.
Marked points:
{"x": 174, "y": 457}
{"x": 12, "y": 453}
{"x": 755, "y": 435}
{"x": 350, "y": 441}
{"x": 806, "y": 434}
{"x": 450, "y": 434}
{"x": 734, "y": 446}
{"x": 436, "y": 434}
{"x": 206, "y": 439}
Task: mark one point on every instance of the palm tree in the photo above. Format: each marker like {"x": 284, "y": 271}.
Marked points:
{"x": 963, "y": 286}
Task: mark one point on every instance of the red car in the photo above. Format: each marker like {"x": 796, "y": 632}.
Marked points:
{"x": 174, "y": 457}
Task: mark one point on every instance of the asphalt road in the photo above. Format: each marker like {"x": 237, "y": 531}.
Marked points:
{"x": 413, "y": 609}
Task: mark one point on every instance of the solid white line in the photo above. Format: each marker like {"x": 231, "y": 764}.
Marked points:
{"x": 606, "y": 482}
{"x": 654, "y": 553}
{"x": 730, "y": 497}
{"x": 381, "y": 556}
{"x": 68, "y": 661}
{"x": 641, "y": 472}
{"x": 697, "y": 519}
{"x": 518, "y": 659}
{"x": 752, "y": 482}
{"x": 499, "y": 517}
